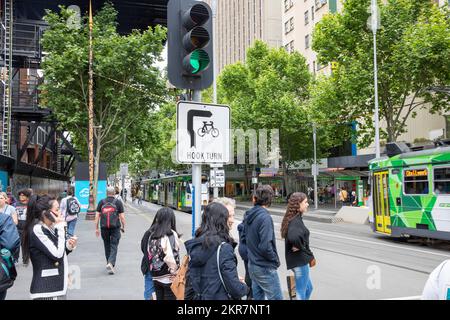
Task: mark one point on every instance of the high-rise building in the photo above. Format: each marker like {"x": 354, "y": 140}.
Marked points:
{"x": 299, "y": 19}
{"x": 239, "y": 23}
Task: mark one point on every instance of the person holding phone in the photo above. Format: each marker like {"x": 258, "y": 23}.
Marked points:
{"x": 46, "y": 245}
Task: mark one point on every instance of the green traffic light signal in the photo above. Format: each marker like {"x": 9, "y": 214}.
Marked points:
{"x": 197, "y": 61}
{"x": 190, "y": 44}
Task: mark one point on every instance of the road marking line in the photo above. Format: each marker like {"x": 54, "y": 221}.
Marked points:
{"x": 406, "y": 298}
{"x": 377, "y": 243}
{"x": 313, "y": 231}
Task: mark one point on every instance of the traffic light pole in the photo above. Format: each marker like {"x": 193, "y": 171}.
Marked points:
{"x": 196, "y": 181}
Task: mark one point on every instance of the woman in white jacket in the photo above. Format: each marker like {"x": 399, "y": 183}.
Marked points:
{"x": 163, "y": 253}
{"x": 45, "y": 243}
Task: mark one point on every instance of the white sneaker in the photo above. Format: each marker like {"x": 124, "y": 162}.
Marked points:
{"x": 110, "y": 268}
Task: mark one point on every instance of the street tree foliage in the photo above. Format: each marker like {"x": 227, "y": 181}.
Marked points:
{"x": 271, "y": 91}
{"x": 413, "y": 53}
{"x": 127, "y": 85}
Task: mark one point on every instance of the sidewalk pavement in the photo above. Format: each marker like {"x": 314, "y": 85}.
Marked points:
{"x": 87, "y": 263}
{"x": 320, "y": 215}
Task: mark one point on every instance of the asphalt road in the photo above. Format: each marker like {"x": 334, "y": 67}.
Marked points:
{"x": 352, "y": 262}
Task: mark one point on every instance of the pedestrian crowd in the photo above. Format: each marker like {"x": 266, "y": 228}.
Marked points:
{"x": 42, "y": 229}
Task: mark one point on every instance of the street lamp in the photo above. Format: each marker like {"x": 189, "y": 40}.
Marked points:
{"x": 375, "y": 25}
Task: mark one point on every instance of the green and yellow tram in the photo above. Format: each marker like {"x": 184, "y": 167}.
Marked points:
{"x": 174, "y": 191}
{"x": 411, "y": 194}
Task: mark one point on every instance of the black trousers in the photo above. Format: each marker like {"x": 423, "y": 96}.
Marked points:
{"x": 2, "y": 295}
{"x": 163, "y": 291}
{"x": 20, "y": 228}
{"x": 248, "y": 281}
{"x": 111, "y": 239}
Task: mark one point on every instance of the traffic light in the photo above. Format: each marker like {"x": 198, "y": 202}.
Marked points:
{"x": 190, "y": 44}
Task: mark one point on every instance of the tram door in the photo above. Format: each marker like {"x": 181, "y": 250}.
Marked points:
{"x": 381, "y": 202}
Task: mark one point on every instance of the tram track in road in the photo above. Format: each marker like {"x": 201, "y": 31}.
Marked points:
{"x": 353, "y": 243}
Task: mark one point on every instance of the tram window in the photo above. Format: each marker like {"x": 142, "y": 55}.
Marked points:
{"x": 416, "y": 181}
{"x": 442, "y": 181}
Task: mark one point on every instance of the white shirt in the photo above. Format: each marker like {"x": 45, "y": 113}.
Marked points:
{"x": 438, "y": 284}
{"x": 63, "y": 209}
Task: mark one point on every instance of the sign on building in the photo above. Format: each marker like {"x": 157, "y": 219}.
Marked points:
{"x": 203, "y": 133}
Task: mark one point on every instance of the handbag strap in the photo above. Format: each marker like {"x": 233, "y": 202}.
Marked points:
{"x": 220, "y": 273}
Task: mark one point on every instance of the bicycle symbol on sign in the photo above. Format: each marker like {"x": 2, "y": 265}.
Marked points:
{"x": 204, "y": 130}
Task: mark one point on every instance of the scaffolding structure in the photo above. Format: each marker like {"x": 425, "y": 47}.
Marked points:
{"x": 6, "y": 73}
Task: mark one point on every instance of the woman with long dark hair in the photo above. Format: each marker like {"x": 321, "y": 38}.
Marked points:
{"x": 45, "y": 244}
{"x": 213, "y": 264}
{"x": 299, "y": 257}
{"x": 163, "y": 246}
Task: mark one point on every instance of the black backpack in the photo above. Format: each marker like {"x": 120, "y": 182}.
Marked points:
{"x": 109, "y": 215}
{"x": 156, "y": 256}
{"x": 73, "y": 207}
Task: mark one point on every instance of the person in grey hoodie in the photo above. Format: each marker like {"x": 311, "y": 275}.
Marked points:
{"x": 257, "y": 238}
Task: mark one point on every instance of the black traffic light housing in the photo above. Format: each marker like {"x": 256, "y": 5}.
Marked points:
{"x": 190, "y": 44}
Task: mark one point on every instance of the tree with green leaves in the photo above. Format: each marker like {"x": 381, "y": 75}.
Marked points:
{"x": 127, "y": 85}
{"x": 270, "y": 91}
{"x": 413, "y": 53}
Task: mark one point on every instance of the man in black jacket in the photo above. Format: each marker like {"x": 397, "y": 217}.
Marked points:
{"x": 258, "y": 236}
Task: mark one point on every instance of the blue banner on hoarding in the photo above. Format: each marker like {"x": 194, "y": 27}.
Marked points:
{"x": 82, "y": 193}
{"x": 3, "y": 180}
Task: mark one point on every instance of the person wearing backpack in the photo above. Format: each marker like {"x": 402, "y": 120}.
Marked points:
{"x": 213, "y": 264}
{"x": 149, "y": 288}
{"x": 9, "y": 245}
{"x": 163, "y": 253}
{"x": 70, "y": 209}
{"x": 109, "y": 221}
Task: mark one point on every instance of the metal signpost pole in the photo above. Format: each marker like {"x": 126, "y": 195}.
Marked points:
{"x": 375, "y": 25}
{"x": 315, "y": 170}
{"x": 196, "y": 180}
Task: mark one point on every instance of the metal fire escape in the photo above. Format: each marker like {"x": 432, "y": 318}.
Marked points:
{"x": 6, "y": 74}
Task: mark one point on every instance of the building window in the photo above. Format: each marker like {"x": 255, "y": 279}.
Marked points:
{"x": 306, "y": 17}
{"x": 314, "y": 67}
{"x": 442, "y": 181}
{"x": 289, "y": 25}
{"x": 447, "y": 127}
{"x": 290, "y": 47}
{"x": 288, "y": 4}
{"x": 312, "y": 13}
{"x": 416, "y": 181}
{"x": 307, "y": 41}
{"x": 320, "y": 3}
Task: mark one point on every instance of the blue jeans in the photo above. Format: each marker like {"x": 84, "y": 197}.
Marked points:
{"x": 149, "y": 288}
{"x": 71, "y": 227}
{"x": 303, "y": 285}
{"x": 265, "y": 283}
